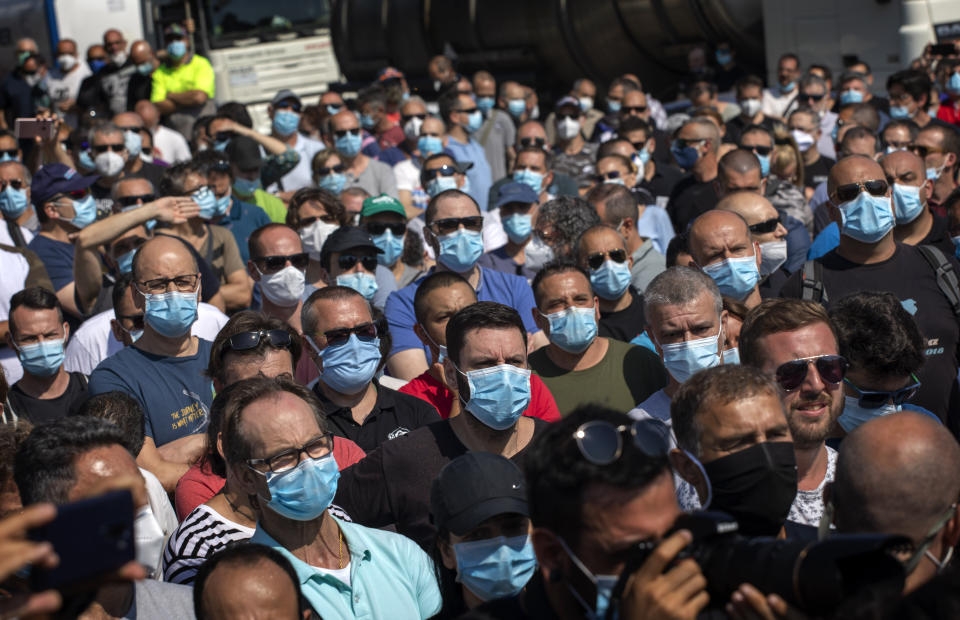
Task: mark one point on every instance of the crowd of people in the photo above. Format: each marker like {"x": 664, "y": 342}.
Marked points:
{"x": 476, "y": 350}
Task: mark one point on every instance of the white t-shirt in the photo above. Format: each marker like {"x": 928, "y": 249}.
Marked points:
{"x": 408, "y": 175}
{"x": 342, "y": 574}
{"x": 94, "y": 341}
{"x": 63, "y": 86}
{"x": 13, "y": 276}
{"x": 302, "y": 174}
{"x": 169, "y": 145}
{"x": 6, "y": 239}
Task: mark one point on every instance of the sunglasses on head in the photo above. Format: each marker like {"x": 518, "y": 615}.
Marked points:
{"x": 273, "y": 264}
{"x": 596, "y": 260}
{"x": 832, "y": 368}
{"x": 451, "y": 224}
{"x": 322, "y": 172}
{"x": 537, "y": 142}
{"x": 347, "y": 261}
{"x": 129, "y": 201}
{"x": 244, "y": 341}
{"x": 767, "y": 226}
{"x": 342, "y": 132}
{"x": 103, "y": 148}
{"x": 378, "y": 228}
{"x": 850, "y": 191}
{"x": 872, "y": 399}
{"x": 14, "y": 183}
{"x": 364, "y": 331}
{"x": 601, "y": 443}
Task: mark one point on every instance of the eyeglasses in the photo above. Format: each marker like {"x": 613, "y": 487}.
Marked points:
{"x": 601, "y": 443}
{"x": 9, "y": 152}
{"x": 342, "y": 132}
{"x": 831, "y": 368}
{"x": 923, "y": 151}
{"x": 103, "y": 148}
{"x": 595, "y": 261}
{"x": 288, "y": 105}
{"x": 445, "y": 170}
{"x": 347, "y": 261}
{"x": 14, "y": 183}
{"x": 629, "y": 109}
{"x": 872, "y": 399}
{"x": 326, "y": 219}
{"x": 322, "y": 172}
{"x": 639, "y": 145}
{"x": 850, "y": 191}
{"x": 364, "y": 331}
{"x": 600, "y": 178}
{"x": 185, "y": 284}
{"x": 273, "y": 264}
{"x": 537, "y": 142}
{"x": 316, "y": 448}
{"x": 450, "y": 224}
{"x": 136, "y": 319}
{"x": 767, "y": 226}
{"x": 129, "y": 201}
{"x": 378, "y": 228}
{"x": 763, "y": 151}
{"x": 244, "y": 341}
{"x": 407, "y": 117}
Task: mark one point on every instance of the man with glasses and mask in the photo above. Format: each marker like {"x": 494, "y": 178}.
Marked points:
{"x": 768, "y": 232}
{"x": 695, "y": 147}
{"x": 815, "y": 94}
{"x": 346, "y": 138}
{"x": 163, "y": 369}
{"x": 19, "y": 219}
{"x": 464, "y": 120}
{"x": 279, "y": 265}
{"x": 453, "y": 230}
{"x": 350, "y": 258}
{"x": 940, "y": 149}
{"x": 602, "y": 253}
{"x": 108, "y": 149}
{"x": 868, "y": 257}
{"x": 795, "y": 343}
{"x": 722, "y": 247}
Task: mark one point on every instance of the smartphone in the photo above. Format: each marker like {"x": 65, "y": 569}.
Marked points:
{"x": 943, "y": 49}
{"x": 93, "y": 537}
{"x": 35, "y": 127}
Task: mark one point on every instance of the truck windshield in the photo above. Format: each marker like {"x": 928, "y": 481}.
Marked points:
{"x": 229, "y": 20}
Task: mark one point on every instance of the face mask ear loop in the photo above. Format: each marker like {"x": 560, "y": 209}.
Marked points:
{"x": 706, "y": 479}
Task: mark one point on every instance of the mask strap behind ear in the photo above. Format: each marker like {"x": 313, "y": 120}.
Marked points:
{"x": 706, "y": 479}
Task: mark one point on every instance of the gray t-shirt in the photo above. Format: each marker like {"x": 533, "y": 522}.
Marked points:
{"x": 377, "y": 178}
{"x": 495, "y": 135}
{"x": 157, "y": 600}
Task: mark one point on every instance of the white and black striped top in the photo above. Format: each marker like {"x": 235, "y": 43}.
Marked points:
{"x": 202, "y": 533}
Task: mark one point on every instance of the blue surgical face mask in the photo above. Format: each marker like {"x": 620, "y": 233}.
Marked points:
{"x": 723, "y": 57}
{"x": 360, "y": 281}
{"x": 867, "y": 218}
{"x": 495, "y": 567}
{"x": 429, "y": 145}
{"x": 145, "y": 68}
{"x": 125, "y": 262}
{"x": 333, "y": 109}
{"x": 170, "y": 314}
{"x": 613, "y": 106}
{"x": 333, "y": 182}
{"x": 96, "y": 65}
{"x": 304, "y": 492}
{"x": 518, "y": 226}
{"x": 177, "y": 49}
{"x": 735, "y": 277}
{"x": 246, "y": 187}
{"x": 611, "y": 280}
{"x": 207, "y": 201}
{"x": 133, "y": 142}
{"x": 13, "y": 202}
{"x": 899, "y": 112}
{"x": 530, "y": 178}
{"x": 348, "y": 367}
{"x": 285, "y": 122}
{"x": 906, "y": 203}
{"x": 573, "y": 329}
{"x": 149, "y": 224}
{"x": 440, "y": 184}
{"x": 851, "y": 96}
{"x": 788, "y": 87}
{"x": 516, "y": 107}
{"x": 474, "y": 121}
{"x": 348, "y": 144}
{"x": 686, "y": 157}
{"x": 392, "y": 248}
{"x": 460, "y": 250}
{"x": 42, "y": 359}
{"x": 485, "y": 104}
{"x": 223, "y": 205}
{"x": 8, "y": 157}
{"x": 953, "y": 84}
{"x": 85, "y": 212}
{"x": 498, "y": 394}
{"x": 731, "y": 357}
{"x": 764, "y": 165}
{"x": 933, "y": 174}
{"x": 854, "y": 415}
{"x": 684, "y": 359}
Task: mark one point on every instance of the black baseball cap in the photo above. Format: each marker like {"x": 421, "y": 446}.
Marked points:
{"x": 244, "y": 152}
{"x": 474, "y": 487}
{"x": 347, "y": 238}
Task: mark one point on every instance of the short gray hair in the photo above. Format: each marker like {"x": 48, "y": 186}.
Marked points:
{"x": 679, "y": 286}
{"x": 27, "y": 177}
{"x": 104, "y": 128}
{"x": 813, "y": 80}
{"x": 114, "y": 189}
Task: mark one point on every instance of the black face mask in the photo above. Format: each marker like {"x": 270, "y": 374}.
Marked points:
{"x": 756, "y": 486}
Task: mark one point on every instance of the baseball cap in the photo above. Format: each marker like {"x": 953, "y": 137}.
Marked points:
{"x": 347, "y": 238}
{"x": 567, "y": 101}
{"x": 515, "y": 192}
{"x": 175, "y": 29}
{"x": 382, "y": 204}
{"x": 244, "y": 152}
{"x": 474, "y": 487}
{"x": 54, "y": 179}
{"x": 283, "y": 95}
{"x": 389, "y": 73}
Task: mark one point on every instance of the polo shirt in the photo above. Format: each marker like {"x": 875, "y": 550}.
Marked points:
{"x": 500, "y": 260}
{"x": 504, "y": 288}
{"x": 393, "y": 415}
{"x": 196, "y": 74}
{"x": 479, "y": 174}
{"x": 648, "y": 263}
{"x": 242, "y": 219}
{"x": 425, "y": 387}
{"x": 389, "y": 577}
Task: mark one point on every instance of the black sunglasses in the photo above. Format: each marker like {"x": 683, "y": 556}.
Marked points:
{"x": 342, "y": 132}
{"x": 832, "y": 369}
{"x": 445, "y": 170}
{"x": 322, "y": 172}
{"x": 683, "y": 143}
{"x": 767, "y": 226}
{"x": 9, "y": 152}
{"x": 407, "y": 117}
{"x": 601, "y": 443}
{"x": 223, "y": 136}
{"x": 347, "y": 261}
{"x": 288, "y": 105}
{"x": 564, "y": 116}
{"x": 468, "y": 110}
{"x": 326, "y": 219}
{"x": 600, "y": 178}
{"x": 378, "y": 228}
{"x": 129, "y": 201}
{"x": 871, "y": 399}
{"x": 244, "y": 341}
{"x": 450, "y": 224}
{"x": 103, "y": 148}
{"x": 805, "y": 97}
{"x": 758, "y": 150}
{"x": 627, "y": 109}
{"x": 923, "y": 151}
{"x": 595, "y": 261}
{"x": 537, "y": 142}
{"x": 273, "y": 264}
{"x": 850, "y": 191}
{"x": 14, "y": 183}
{"x": 364, "y": 331}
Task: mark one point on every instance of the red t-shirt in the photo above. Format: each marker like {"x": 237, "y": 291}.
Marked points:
{"x": 199, "y": 484}
{"x": 425, "y": 387}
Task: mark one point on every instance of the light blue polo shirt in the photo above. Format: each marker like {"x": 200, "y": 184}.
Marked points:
{"x": 390, "y": 577}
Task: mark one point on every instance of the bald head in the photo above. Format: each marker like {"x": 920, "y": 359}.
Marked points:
{"x": 748, "y": 205}
{"x": 740, "y": 161}
{"x": 852, "y": 169}
{"x": 163, "y": 257}
{"x": 141, "y": 52}
{"x": 148, "y": 112}
{"x": 715, "y": 230}
{"x": 896, "y": 474}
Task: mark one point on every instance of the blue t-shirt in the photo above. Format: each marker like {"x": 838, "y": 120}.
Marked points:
{"x": 175, "y": 392}
{"x": 504, "y": 288}
{"x": 243, "y": 219}
{"x": 827, "y": 240}
{"x": 57, "y": 257}
{"x": 479, "y": 174}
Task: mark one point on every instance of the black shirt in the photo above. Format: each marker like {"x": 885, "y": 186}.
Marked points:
{"x": 393, "y": 415}
{"x": 626, "y": 324}
{"x": 392, "y": 483}
{"x": 769, "y": 287}
{"x": 531, "y": 603}
{"x": 939, "y": 236}
{"x": 41, "y": 411}
{"x": 816, "y": 173}
{"x": 665, "y": 178}
{"x": 736, "y": 125}
{"x": 689, "y": 199}
{"x": 911, "y": 278}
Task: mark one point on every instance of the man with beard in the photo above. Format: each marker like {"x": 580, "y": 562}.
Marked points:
{"x": 795, "y": 342}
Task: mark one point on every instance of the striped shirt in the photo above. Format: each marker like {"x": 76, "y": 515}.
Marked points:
{"x": 202, "y": 533}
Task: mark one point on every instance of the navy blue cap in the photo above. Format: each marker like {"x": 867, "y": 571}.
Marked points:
{"x": 515, "y": 192}
{"x": 54, "y": 179}
{"x": 474, "y": 487}
{"x": 347, "y": 238}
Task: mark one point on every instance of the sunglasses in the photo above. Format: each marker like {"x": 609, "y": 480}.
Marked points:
{"x": 595, "y": 261}
{"x": 378, "y": 228}
{"x": 364, "y": 331}
{"x": 407, "y": 117}
{"x": 628, "y": 109}
{"x": 9, "y": 152}
{"x": 767, "y": 226}
{"x": 451, "y": 224}
{"x": 223, "y": 136}
{"x": 326, "y": 219}
{"x": 639, "y": 145}
{"x": 572, "y": 115}
{"x": 923, "y": 151}
{"x": 244, "y": 341}
{"x": 288, "y": 105}
{"x": 806, "y": 97}
{"x": 831, "y": 368}
{"x": 347, "y": 261}
{"x": 342, "y": 132}
{"x": 134, "y": 129}
{"x": 683, "y": 143}
{"x": 129, "y": 201}
{"x": 537, "y": 142}
{"x": 763, "y": 151}
{"x": 600, "y": 178}
{"x": 468, "y": 110}
{"x": 103, "y": 148}
{"x": 870, "y": 399}
{"x": 601, "y": 443}
{"x": 14, "y": 183}
{"x": 273, "y": 264}
{"x": 850, "y": 191}
{"x": 322, "y": 172}
{"x": 445, "y": 170}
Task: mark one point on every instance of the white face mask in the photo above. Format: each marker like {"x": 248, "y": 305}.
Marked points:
{"x": 750, "y": 107}
{"x": 284, "y": 288}
{"x": 568, "y": 129}
{"x": 314, "y": 235}
{"x": 803, "y": 139}
{"x": 411, "y": 129}
{"x": 66, "y": 62}
{"x": 109, "y": 164}
{"x": 773, "y": 254}
{"x": 119, "y": 58}
{"x": 537, "y": 253}
{"x": 148, "y": 539}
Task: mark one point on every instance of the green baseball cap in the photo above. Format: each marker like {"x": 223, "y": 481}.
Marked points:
{"x": 382, "y": 203}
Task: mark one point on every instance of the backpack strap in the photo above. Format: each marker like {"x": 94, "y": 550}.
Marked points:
{"x": 813, "y": 282}
{"x": 946, "y": 276}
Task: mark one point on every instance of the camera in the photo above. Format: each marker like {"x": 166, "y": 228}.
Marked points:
{"x": 813, "y": 577}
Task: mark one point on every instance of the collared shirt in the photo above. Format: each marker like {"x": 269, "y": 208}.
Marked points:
{"x": 479, "y": 174}
{"x": 390, "y": 577}
{"x": 393, "y": 415}
{"x": 242, "y": 220}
